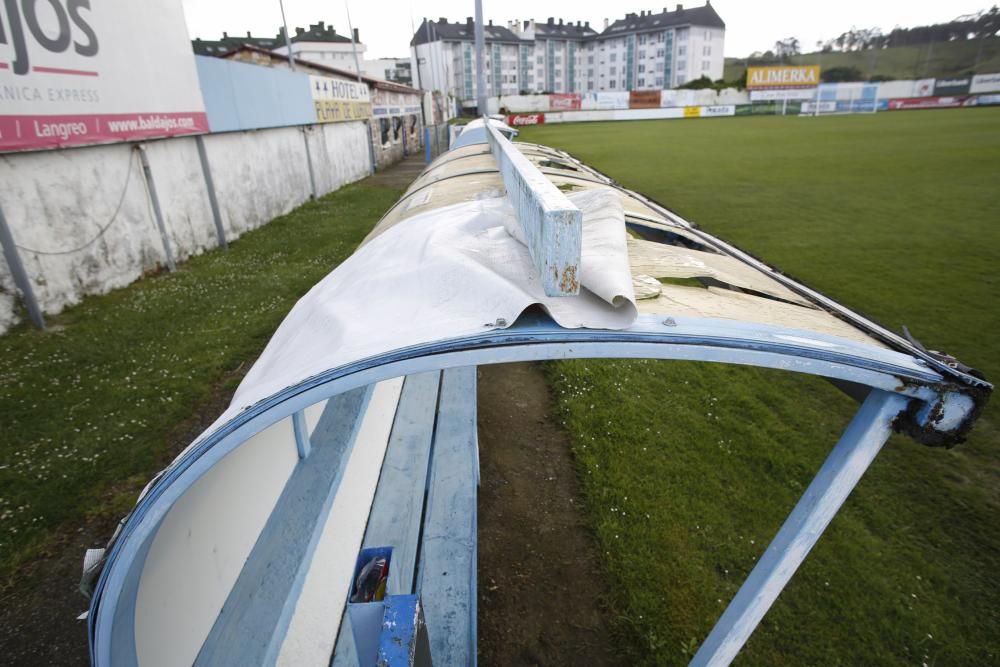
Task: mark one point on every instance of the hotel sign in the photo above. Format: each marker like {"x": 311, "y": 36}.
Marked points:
{"x": 792, "y": 76}
{"x": 337, "y": 100}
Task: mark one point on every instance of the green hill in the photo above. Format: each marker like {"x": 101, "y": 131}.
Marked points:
{"x": 944, "y": 59}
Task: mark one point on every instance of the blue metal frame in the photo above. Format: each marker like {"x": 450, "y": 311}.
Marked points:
{"x": 898, "y": 380}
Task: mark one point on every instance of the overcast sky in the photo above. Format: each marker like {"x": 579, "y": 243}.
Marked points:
{"x": 386, "y": 25}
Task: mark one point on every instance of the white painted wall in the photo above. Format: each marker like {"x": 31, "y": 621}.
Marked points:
{"x": 202, "y": 544}
{"x": 59, "y": 200}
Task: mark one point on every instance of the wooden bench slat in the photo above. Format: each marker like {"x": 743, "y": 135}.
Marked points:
{"x": 447, "y": 567}
{"x": 399, "y": 500}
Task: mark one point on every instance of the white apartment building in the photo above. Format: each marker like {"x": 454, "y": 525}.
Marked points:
{"x": 644, "y": 51}
{"x": 322, "y": 44}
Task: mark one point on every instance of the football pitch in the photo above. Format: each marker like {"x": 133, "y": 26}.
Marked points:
{"x": 689, "y": 470}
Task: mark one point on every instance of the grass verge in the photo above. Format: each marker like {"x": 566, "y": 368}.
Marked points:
{"x": 92, "y": 401}
{"x": 688, "y": 470}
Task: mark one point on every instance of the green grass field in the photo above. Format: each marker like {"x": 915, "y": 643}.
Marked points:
{"x": 689, "y": 470}
{"x": 948, "y": 59}
{"x": 88, "y": 409}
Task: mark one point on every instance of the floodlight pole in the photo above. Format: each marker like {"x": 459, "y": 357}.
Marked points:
{"x": 354, "y": 43}
{"x": 288, "y": 39}
{"x": 480, "y": 62}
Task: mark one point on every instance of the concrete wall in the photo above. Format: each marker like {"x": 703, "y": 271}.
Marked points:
{"x": 58, "y": 201}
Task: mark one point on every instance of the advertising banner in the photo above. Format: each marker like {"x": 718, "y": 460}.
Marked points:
{"x": 337, "y": 100}
{"x": 819, "y": 107}
{"x": 789, "y": 76}
{"x": 564, "y": 102}
{"x": 957, "y": 86}
{"x": 604, "y": 100}
{"x": 923, "y": 87}
{"x": 985, "y": 83}
{"x": 988, "y": 99}
{"x": 791, "y": 94}
{"x": 931, "y": 103}
{"x": 73, "y": 72}
{"x": 692, "y": 112}
{"x": 526, "y": 119}
{"x": 677, "y": 98}
{"x": 644, "y": 99}
{"x": 718, "y": 110}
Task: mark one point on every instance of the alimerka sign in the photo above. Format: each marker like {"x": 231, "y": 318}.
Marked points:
{"x": 792, "y": 76}
{"x": 76, "y": 72}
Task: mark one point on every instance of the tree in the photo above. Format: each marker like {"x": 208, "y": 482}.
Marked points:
{"x": 787, "y": 47}
{"x": 841, "y": 74}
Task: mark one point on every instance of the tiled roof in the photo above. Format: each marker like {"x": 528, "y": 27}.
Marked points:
{"x": 432, "y": 31}
{"x": 702, "y": 16}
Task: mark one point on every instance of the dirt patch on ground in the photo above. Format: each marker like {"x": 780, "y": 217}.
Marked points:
{"x": 38, "y": 611}
{"x": 540, "y": 589}
{"x": 401, "y": 174}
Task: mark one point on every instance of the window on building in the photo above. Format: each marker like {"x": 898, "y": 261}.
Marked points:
{"x": 682, "y": 65}
{"x": 590, "y": 60}
{"x": 681, "y": 79}
{"x": 706, "y": 65}
{"x": 590, "y": 85}
{"x": 540, "y": 60}
{"x": 558, "y": 60}
{"x": 682, "y": 35}
{"x": 614, "y": 70}
{"x": 642, "y": 82}
{"x": 682, "y": 50}
{"x": 643, "y": 38}
{"x": 611, "y": 84}
{"x": 590, "y": 47}
{"x": 384, "y": 130}
{"x": 708, "y": 35}
{"x": 642, "y": 53}
{"x": 642, "y": 67}
{"x": 411, "y": 122}
{"x": 397, "y": 128}
{"x": 706, "y": 51}
{"x": 659, "y": 53}
{"x": 659, "y": 82}
{"x": 590, "y": 72}
{"x": 614, "y": 57}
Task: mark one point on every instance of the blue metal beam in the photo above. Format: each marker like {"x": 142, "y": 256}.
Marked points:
{"x": 532, "y": 339}
{"x": 858, "y": 446}
{"x": 552, "y": 225}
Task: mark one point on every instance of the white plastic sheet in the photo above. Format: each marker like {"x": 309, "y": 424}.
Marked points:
{"x": 445, "y": 273}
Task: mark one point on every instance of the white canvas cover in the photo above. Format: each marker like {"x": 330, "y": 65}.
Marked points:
{"x": 453, "y": 271}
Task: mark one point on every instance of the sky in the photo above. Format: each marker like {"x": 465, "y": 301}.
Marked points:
{"x": 386, "y": 26}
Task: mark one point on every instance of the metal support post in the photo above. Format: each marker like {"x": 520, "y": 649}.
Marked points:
{"x": 309, "y": 161}
{"x": 157, "y": 213}
{"x": 210, "y": 186}
{"x": 480, "y": 62}
{"x": 369, "y": 128}
{"x": 428, "y": 157}
{"x": 858, "y": 446}
{"x": 20, "y": 275}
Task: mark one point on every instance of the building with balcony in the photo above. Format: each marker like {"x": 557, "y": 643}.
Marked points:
{"x": 644, "y": 51}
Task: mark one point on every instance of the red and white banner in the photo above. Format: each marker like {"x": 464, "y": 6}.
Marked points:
{"x": 526, "y": 119}
{"x": 931, "y": 102}
{"x": 76, "y": 72}
{"x": 564, "y": 102}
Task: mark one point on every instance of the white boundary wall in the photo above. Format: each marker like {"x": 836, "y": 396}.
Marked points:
{"x": 58, "y": 200}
